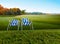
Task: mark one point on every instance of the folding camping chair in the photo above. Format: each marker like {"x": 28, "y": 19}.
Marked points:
{"x": 26, "y": 22}
{"x": 13, "y": 23}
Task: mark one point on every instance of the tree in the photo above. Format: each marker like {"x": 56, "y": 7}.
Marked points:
{"x": 15, "y": 11}
{"x": 11, "y": 11}
{"x": 1, "y": 9}
{"x": 23, "y": 11}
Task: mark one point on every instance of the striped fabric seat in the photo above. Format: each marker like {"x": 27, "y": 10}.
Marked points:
{"x": 25, "y": 21}
{"x": 14, "y": 23}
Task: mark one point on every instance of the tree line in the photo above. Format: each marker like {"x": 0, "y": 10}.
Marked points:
{"x": 11, "y": 11}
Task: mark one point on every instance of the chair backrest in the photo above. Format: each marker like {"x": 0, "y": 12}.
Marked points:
{"x": 26, "y": 21}
{"x": 14, "y": 22}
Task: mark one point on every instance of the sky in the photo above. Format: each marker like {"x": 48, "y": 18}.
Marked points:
{"x": 45, "y": 6}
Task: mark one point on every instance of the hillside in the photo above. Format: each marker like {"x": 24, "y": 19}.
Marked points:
{"x": 30, "y": 37}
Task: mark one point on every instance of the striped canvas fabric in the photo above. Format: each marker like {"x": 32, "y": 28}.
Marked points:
{"x": 25, "y": 21}
{"x": 14, "y": 23}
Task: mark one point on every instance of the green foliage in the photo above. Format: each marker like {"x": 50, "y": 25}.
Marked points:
{"x": 15, "y": 11}
{"x": 30, "y": 37}
{"x": 23, "y": 12}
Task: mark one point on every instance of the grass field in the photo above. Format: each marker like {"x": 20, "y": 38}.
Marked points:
{"x": 39, "y": 21}
{"x": 30, "y": 37}
{"x": 46, "y": 30}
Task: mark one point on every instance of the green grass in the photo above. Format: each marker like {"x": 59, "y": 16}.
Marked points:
{"x": 46, "y": 30}
{"x": 39, "y": 21}
{"x": 30, "y": 37}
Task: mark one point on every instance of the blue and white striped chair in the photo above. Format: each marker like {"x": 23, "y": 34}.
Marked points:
{"x": 13, "y": 22}
{"x": 26, "y": 22}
